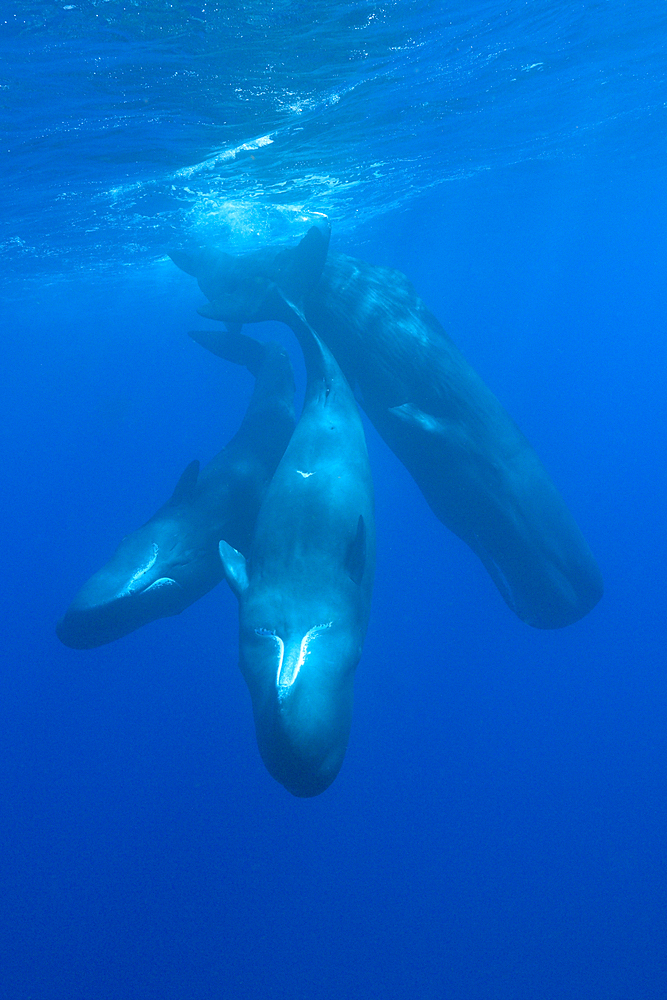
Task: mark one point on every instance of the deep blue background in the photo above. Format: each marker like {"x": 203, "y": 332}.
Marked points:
{"x": 499, "y": 826}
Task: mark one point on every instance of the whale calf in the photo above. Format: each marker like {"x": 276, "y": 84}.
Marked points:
{"x": 477, "y": 471}
{"x": 172, "y": 560}
{"x": 305, "y": 591}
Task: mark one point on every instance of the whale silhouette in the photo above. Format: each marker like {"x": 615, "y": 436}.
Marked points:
{"x": 477, "y": 471}
{"x": 305, "y": 591}
{"x": 172, "y": 560}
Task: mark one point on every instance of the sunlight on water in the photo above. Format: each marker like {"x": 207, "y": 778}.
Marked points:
{"x": 143, "y": 127}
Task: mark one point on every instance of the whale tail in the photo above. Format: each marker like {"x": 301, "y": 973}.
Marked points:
{"x": 297, "y": 271}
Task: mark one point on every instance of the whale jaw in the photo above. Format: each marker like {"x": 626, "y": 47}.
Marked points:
{"x": 302, "y": 693}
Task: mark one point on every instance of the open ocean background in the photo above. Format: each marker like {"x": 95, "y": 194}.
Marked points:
{"x": 499, "y": 828}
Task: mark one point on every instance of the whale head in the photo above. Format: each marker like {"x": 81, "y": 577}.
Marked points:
{"x": 298, "y": 656}
{"x": 150, "y": 576}
{"x": 156, "y": 571}
{"x": 301, "y": 683}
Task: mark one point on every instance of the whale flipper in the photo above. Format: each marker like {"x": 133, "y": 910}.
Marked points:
{"x": 426, "y": 424}
{"x": 234, "y": 566}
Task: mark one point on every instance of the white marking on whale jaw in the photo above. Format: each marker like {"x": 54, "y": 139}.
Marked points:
{"x": 305, "y": 475}
{"x": 285, "y": 677}
{"x": 164, "y": 581}
{"x": 131, "y": 584}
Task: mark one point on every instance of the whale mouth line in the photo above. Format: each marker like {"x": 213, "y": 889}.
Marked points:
{"x": 288, "y": 670}
{"x": 121, "y": 599}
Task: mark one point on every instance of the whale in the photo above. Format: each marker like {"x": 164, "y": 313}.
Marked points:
{"x": 304, "y": 592}
{"x": 476, "y": 469}
{"x": 172, "y": 560}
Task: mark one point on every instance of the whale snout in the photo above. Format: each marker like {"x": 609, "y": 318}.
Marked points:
{"x": 305, "y": 769}
{"x": 86, "y": 628}
{"x": 88, "y": 623}
{"x": 301, "y": 681}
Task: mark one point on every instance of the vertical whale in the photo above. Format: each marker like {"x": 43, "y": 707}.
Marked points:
{"x": 305, "y": 591}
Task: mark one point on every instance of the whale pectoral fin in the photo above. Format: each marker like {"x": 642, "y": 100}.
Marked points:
{"x": 355, "y": 560}
{"x": 164, "y": 581}
{"x": 234, "y": 565}
{"x": 186, "y": 485}
{"x": 411, "y": 414}
{"x": 450, "y": 432}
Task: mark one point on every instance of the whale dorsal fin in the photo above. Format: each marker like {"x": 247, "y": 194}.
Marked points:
{"x": 186, "y": 485}
{"x": 234, "y": 565}
{"x": 355, "y": 560}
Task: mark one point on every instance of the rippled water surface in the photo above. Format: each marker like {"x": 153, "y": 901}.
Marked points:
{"x": 129, "y": 126}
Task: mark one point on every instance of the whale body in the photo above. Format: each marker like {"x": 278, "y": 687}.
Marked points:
{"x": 477, "y": 471}
{"x": 305, "y": 591}
{"x": 172, "y": 560}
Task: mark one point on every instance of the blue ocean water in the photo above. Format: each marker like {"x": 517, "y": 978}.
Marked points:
{"x": 499, "y": 826}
